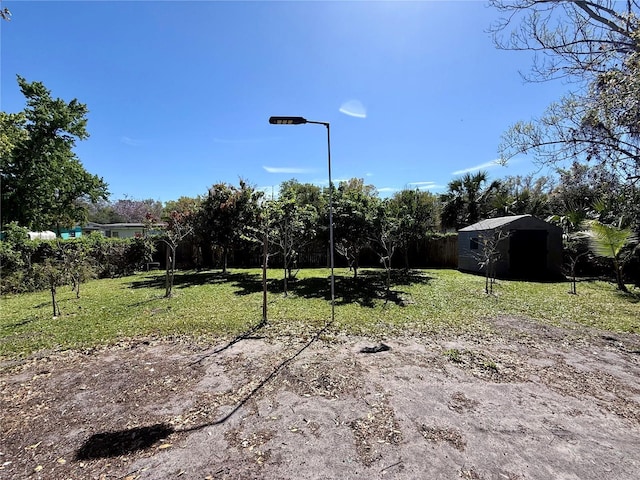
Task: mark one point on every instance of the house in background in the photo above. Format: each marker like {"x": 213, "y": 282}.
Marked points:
{"x": 67, "y": 233}
{"x": 531, "y": 248}
{"x": 121, "y": 230}
{"x": 110, "y": 230}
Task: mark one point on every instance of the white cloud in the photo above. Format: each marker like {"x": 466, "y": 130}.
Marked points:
{"x": 421, "y": 184}
{"x": 132, "y": 142}
{"x": 387, "y": 189}
{"x": 491, "y": 164}
{"x": 353, "y": 108}
{"x": 432, "y": 186}
{"x": 288, "y": 170}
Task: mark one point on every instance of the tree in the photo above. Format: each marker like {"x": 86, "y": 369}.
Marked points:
{"x": 179, "y": 226}
{"x": 102, "y": 212}
{"x": 16, "y": 251}
{"x": 78, "y": 263}
{"x": 54, "y": 273}
{"x": 595, "y": 44}
{"x": 304, "y": 193}
{"x": 136, "y": 211}
{"x": 354, "y": 208}
{"x": 385, "y": 236}
{"x": 572, "y": 214}
{"x": 188, "y": 206}
{"x": 523, "y": 195}
{"x": 43, "y": 181}
{"x": 5, "y": 14}
{"x": 417, "y": 212}
{"x": 609, "y": 241}
{"x": 225, "y": 212}
{"x": 574, "y": 249}
{"x": 468, "y": 200}
{"x": 488, "y": 255}
{"x": 182, "y": 205}
{"x": 261, "y": 234}
{"x": 294, "y": 219}
{"x": 12, "y": 132}
{"x": 596, "y": 194}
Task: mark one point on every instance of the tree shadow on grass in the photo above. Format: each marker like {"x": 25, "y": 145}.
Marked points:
{"x": 182, "y": 279}
{"x": 19, "y": 323}
{"x": 630, "y": 296}
{"x": 371, "y": 285}
{"x": 366, "y": 289}
{"x": 47, "y": 304}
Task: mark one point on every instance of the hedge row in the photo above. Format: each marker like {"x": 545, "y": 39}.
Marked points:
{"x": 93, "y": 256}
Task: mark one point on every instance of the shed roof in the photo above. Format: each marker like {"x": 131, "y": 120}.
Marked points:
{"x": 491, "y": 223}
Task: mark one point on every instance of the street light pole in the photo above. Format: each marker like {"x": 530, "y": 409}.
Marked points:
{"x": 301, "y": 121}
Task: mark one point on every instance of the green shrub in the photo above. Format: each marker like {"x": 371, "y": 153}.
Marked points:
{"x": 84, "y": 258}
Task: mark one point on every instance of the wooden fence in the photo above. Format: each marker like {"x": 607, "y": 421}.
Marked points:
{"x": 430, "y": 252}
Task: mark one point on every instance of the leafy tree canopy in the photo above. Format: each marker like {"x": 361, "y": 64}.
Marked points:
{"x": 468, "y": 199}
{"x": 417, "y": 211}
{"x": 521, "y": 195}
{"x": 5, "y": 14}
{"x": 182, "y": 205}
{"x": 226, "y": 212}
{"x": 130, "y": 210}
{"x": 44, "y": 183}
{"x": 355, "y": 208}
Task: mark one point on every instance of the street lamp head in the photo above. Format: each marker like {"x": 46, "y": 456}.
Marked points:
{"x": 287, "y": 120}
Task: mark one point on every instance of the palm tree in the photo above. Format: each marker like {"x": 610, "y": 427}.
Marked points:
{"x": 467, "y": 200}
{"x": 608, "y": 241}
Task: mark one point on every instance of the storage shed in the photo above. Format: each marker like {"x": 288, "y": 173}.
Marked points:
{"x": 530, "y": 248}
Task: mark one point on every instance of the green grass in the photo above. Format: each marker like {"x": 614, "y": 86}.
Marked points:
{"x": 209, "y": 304}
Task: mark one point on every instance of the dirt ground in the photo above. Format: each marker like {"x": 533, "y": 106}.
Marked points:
{"x": 532, "y": 402}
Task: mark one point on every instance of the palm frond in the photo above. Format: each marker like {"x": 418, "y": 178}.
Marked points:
{"x": 607, "y": 240}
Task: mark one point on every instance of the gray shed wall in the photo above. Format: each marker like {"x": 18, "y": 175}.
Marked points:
{"x": 506, "y": 265}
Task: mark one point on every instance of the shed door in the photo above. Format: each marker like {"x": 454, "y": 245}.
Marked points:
{"x": 528, "y": 253}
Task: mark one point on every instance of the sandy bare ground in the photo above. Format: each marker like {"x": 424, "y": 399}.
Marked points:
{"x": 532, "y": 402}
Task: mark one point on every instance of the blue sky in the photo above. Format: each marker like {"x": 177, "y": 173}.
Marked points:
{"x": 180, "y": 93}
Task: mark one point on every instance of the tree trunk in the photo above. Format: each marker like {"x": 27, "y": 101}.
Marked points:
{"x": 171, "y": 268}
{"x": 486, "y": 282}
{"x": 284, "y": 284}
{"x": 167, "y": 261}
{"x": 388, "y": 267}
{"x": 56, "y": 308}
{"x": 574, "y": 289}
{"x": 621, "y": 286}
{"x": 224, "y": 258}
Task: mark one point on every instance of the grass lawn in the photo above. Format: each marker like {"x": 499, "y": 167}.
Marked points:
{"x": 208, "y": 304}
